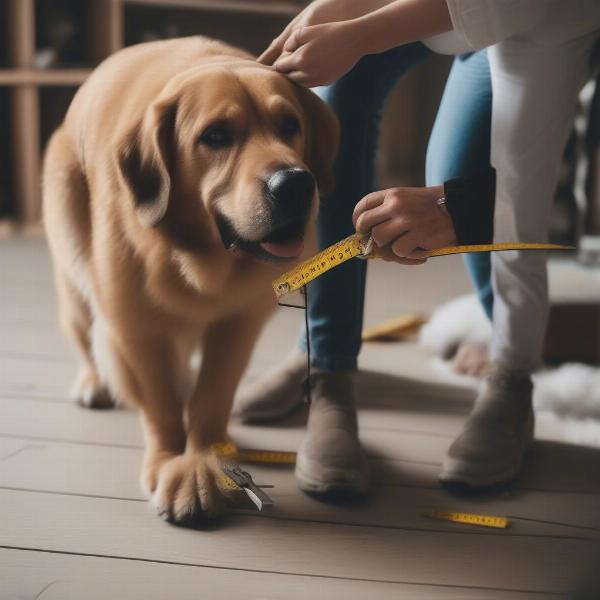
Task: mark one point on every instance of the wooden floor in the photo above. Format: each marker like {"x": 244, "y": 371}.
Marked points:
{"x": 74, "y": 524}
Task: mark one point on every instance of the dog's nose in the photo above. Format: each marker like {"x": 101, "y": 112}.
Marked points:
{"x": 290, "y": 191}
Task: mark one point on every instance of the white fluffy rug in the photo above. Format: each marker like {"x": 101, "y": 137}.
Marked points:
{"x": 459, "y": 320}
{"x": 569, "y": 394}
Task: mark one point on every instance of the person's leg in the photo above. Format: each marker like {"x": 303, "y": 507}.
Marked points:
{"x": 330, "y": 457}
{"x": 534, "y": 93}
{"x": 336, "y": 299}
{"x": 459, "y": 145}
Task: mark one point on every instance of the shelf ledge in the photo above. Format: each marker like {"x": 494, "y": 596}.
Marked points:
{"x": 19, "y": 76}
{"x": 272, "y": 7}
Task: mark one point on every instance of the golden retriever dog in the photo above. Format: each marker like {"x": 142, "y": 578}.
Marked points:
{"x": 183, "y": 180}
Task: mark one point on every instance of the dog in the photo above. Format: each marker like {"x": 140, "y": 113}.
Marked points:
{"x": 184, "y": 178}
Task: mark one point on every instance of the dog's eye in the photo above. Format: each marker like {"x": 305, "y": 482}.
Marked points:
{"x": 217, "y": 136}
{"x": 289, "y": 127}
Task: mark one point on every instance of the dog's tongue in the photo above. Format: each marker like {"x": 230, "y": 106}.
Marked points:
{"x": 284, "y": 249}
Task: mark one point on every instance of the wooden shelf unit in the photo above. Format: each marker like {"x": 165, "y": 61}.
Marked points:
{"x": 104, "y": 32}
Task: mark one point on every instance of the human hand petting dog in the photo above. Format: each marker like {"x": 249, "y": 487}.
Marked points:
{"x": 320, "y": 54}
{"x": 405, "y": 222}
{"x": 317, "y": 13}
{"x": 329, "y": 37}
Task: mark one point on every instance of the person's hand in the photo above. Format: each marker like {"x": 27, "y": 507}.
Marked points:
{"x": 316, "y": 13}
{"x": 405, "y": 222}
{"x": 320, "y": 54}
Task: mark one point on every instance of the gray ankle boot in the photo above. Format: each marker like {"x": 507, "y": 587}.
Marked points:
{"x": 497, "y": 434}
{"x": 330, "y": 457}
{"x": 275, "y": 395}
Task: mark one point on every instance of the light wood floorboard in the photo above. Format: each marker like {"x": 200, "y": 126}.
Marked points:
{"x": 110, "y": 472}
{"x": 75, "y": 525}
{"x": 110, "y": 527}
{"x": 25, "y": 574}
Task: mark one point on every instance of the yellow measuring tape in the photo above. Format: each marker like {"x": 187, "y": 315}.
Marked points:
{"x": 469, "y": 518}
{"x": 357, "y": 245}
{"x": 320, "y": 263}
{"x": 230, "y": 451}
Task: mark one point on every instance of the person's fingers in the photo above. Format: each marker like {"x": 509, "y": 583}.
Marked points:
{"x": 387, "y": 231}
{"x": 388, "y": 255}
{"x": 302, "y": 78}
{"x": 287, "y": 63}
{"x": 419, "y": 254}
{"x": 372, "y": 217}
{"x": 275, "y": 48}
{"x": 369, "y": 201}
{"x": 270, "y": 55}
{"x": 409, "y": 261}
{"x": 295, "y": 39}
{"x": 408, "y": 247}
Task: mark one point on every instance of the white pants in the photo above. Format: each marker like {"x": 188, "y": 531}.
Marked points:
{"x": 535, "y": 82}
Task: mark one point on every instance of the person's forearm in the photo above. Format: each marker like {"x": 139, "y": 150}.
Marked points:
{"x": 401, "y": 22}
{"x": 353, "y": 9}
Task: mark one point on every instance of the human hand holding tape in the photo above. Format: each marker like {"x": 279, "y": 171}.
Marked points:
{"x": 404, "y": 223}
{"x": 410, "y": 225}
{"x": 356, "y": 246}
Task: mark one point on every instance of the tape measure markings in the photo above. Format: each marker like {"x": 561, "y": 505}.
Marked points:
{"x": 267, "y": 456}
{"x": 322, "y": 262}
{"x": 230, "y": 450}
{"x": 469, "y": 518}
{"x": 356, "y": 245}
{"x": 228, "y": 484}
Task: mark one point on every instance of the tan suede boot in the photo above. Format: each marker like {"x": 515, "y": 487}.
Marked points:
{"x": 330, "y": 458}
{"x": 276, "y": 394}
{"x": 497, "y": 434}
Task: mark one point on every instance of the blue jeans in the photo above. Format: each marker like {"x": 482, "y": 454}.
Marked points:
{"x": 336, "y": 299}
{"x": 459, "y": 145}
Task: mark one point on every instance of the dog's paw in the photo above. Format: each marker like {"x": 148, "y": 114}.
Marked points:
{"x": 98, "y": 398}
{"x": 88, "y": 392}
{"x": 185, "y": 487}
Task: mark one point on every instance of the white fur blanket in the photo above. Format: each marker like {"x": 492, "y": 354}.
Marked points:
{"x": 570, "y": 393}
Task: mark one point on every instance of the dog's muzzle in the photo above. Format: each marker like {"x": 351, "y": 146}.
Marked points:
{"x": 288, "y": 195}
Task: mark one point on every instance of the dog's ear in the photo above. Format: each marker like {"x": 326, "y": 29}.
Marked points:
{"x": 323, "y": 139}
{"x": 146, "y": 159}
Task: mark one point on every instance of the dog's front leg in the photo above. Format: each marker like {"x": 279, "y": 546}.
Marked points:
{"x": 146, "y": 372}
{"x": 179, "y": 479}
{"x": 227, "y": 347}
{"x": 189, "y": 489}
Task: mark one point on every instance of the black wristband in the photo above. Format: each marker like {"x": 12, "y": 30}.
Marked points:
{"x": 470, "y": 202}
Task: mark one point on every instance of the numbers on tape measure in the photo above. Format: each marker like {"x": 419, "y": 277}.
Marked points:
{"x": 356, "y": 246}
{"x": 267, "y": 456}
{"x": 469, "y": 518}
{"x": 322, "y": 262}
{"x": 227, "y": 484}
{"x": 224, "y": 449}
{"x": 230, "y": 450}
